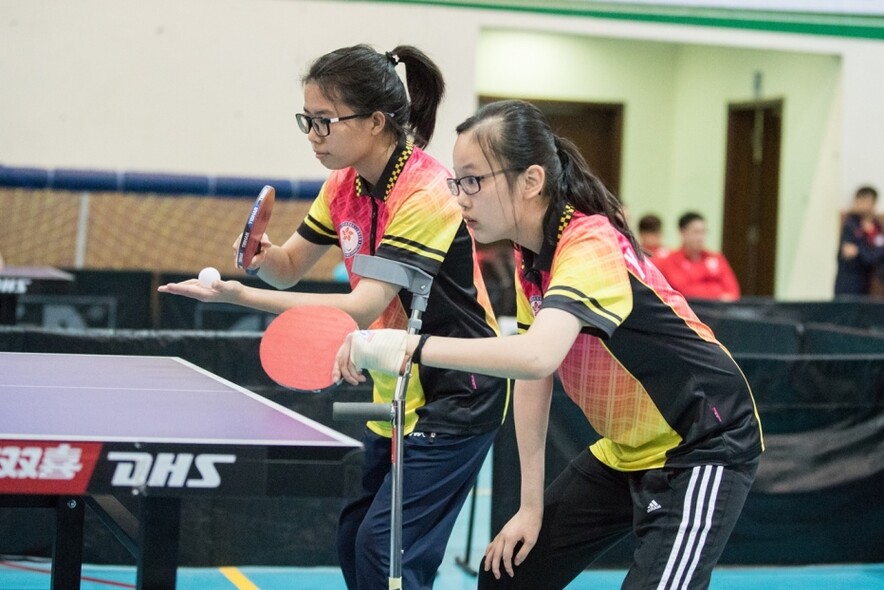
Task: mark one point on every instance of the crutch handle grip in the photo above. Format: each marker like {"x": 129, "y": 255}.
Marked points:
{"x": 367, "y": 411}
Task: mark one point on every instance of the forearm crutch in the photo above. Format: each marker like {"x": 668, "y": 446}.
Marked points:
{"x": 418, "y": 283}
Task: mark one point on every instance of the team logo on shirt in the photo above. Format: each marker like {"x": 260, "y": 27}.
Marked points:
{"x": 535, "y": 301}
{"x": 351, "y": 238}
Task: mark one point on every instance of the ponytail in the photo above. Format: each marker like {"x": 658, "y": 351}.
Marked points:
{"x": 425, "y": 87}
{"x": 577, "y": 185}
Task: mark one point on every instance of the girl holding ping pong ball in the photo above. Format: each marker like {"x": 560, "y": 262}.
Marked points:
{"x": 387, "y": 197}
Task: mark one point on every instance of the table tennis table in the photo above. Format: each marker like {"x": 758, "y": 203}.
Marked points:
{"x": 130, "y": 436}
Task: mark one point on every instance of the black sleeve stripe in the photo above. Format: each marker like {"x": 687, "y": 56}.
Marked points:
{"x": 595, "y": 323}
{"x": 390, "y": 251}
{"x": 329, "y": 231}
{"x": 592, "y": 300}
{"x": 414, "y": 245}
{"x": 313, "y": 236}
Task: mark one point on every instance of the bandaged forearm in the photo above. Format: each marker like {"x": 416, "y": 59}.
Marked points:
{"x": 379, "y": 350}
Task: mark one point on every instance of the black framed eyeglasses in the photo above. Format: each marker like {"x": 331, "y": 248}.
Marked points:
{"x": 322, "y": 125}
{"x": 470, "y": 185}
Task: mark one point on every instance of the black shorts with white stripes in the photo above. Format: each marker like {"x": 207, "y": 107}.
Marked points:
{"x": 682, "y": 518}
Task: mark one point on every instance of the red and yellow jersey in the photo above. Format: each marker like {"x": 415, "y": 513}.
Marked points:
{"x": 650, "y": 377}
{"x": 409, "y": 216}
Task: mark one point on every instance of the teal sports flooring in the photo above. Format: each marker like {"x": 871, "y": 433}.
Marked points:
{"x": 451, "y": 577}
{"x": 34, "y": 574}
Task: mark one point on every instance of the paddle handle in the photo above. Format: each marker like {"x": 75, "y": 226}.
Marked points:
{"x": 367, "y": 411}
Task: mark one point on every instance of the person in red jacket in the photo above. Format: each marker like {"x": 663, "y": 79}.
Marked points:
{"x": 650, "y": 237}
{"x": 696, "y": 272}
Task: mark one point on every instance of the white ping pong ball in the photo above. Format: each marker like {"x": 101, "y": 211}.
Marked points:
{"x": 208, "y": 276}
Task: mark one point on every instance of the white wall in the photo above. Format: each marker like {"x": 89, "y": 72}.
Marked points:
{"x": 211, "y": 87}
{"x": 191, "y": 86}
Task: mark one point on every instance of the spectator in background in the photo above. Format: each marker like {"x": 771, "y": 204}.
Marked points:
{"x": 696, "y": 272}
{"x": 861, "y": 247}
{"x": 650, "y": 237}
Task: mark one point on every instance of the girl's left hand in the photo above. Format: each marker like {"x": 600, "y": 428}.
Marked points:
{"x": 513, "y": 543}
{"x": 344, "y": 368}
{"x": 219, "y": 292}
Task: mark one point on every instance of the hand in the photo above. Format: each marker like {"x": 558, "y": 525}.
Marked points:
{"x": 260, "y": 255}
{"x": 219, "y": 292}
{"x": 379, "y": 350}
{"x": 522, "y": 528}
{"x": 344, "y": 368}
{"x": 849, "y": 251}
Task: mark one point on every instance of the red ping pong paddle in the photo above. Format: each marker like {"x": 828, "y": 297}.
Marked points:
{"x": 299, "y": 346}
{"x": 256, "y": 224}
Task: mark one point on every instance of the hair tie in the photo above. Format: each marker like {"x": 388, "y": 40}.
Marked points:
{"x": 557, "y": 143}
{"x": 394, "y": 59}
{"x": 563, "y": 157}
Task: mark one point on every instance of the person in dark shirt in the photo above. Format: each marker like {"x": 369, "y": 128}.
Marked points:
{"x": 861, "y": 246}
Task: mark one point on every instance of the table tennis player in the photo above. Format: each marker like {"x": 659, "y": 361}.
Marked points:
{"x": 387, "y": 197}
{"x": 681, "y": 434}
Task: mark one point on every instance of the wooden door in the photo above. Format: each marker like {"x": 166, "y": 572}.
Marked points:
{"x": 596, "y": 129}
{"x": 751, "y": 194}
